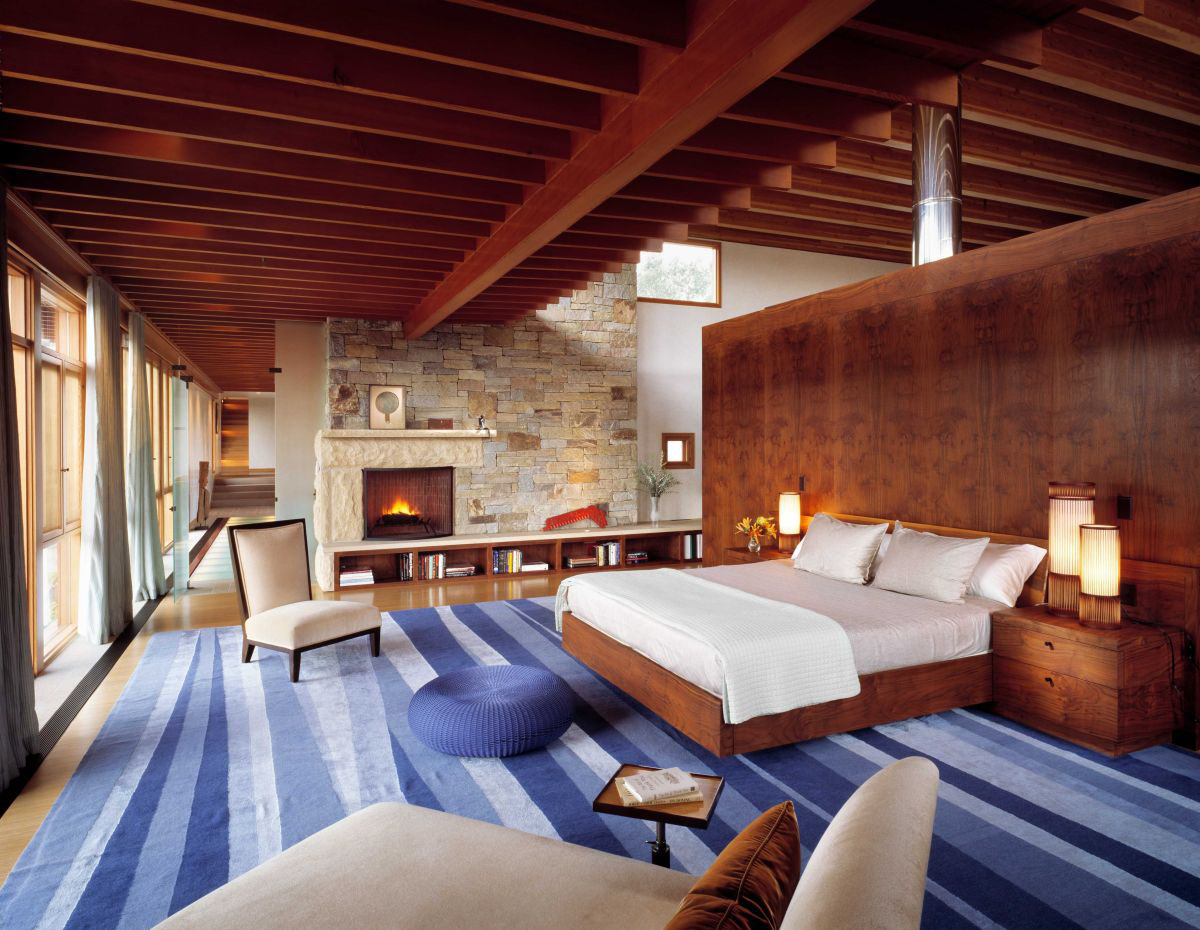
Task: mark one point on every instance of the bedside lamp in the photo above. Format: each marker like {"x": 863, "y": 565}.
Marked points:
{"x": 1099, "y": 575}
{"x": 789, "y": 519}
{"x": 1072, "y": 504}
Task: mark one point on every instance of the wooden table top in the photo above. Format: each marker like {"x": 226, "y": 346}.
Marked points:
{"x": 693, "y": 814}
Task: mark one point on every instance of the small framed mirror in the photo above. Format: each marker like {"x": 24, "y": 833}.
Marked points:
{"x": 679, "y": 450}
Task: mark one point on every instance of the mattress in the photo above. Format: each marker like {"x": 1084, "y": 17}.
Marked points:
{"x": 886, "y": 630}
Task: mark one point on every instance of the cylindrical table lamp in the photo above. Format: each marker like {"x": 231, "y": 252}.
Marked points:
{"x": 1071, "y": 505}
{"x": 1099, "y": 575}
{"x": 789, "y": 519}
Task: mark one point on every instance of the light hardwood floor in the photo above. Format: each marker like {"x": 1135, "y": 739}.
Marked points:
{"x": 27, "y": 812}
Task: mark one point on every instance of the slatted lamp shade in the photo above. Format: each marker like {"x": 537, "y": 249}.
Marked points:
{"x": 1099, "y": 575}
{"x": 789, "y": 516}
{"x": 1072, "y": 504}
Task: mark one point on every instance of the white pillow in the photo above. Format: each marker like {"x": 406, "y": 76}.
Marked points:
{"x": 838, "y": 550}
{"x": 928, "y": 565}
{"x": 1003, "y": 570}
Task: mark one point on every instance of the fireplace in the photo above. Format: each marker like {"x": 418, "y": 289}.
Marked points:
{"x": 408, "y": 503}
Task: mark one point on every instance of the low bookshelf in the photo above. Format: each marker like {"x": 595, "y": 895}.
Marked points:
{"x": 567, "y": 551}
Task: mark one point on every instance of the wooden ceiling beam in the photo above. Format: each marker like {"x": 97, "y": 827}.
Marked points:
{"x": 534, "y": 265}
{"x": 175, "y": 35}
{"x": 1169, "y": 22}
{"x": 974, "y": 31}
{"x": 116, "y": 111}
{"x": 1084, "y": 54}
{"x": 442, "y": 195}
{"x": 606, "y": 226}
{"x": 571, "y": 253}
{"x": 783, "y": 103}
{"x": 661, "y": 24}
{"x": 157, "y": 310}
{"x": 410, "y": 207}
{"x": 93, "y": 228}
{"x": 249, "y": 285}
{"x": 1018, "y": 102}
{"x": 453, "y": 233}
{"x": 685, "y": 193}
{"x": 842, "y": 62}
{"x": 816, "y": 214}
{"x": 732, "y": 48}
{"x": 426, "y": 29}
{"x": 624, "y": 208}
{"x": 606, "y": 243}
{"x": 412, "y": 244}
{"x": 264, "y": 273}
{"x": 764, "y": 143}
{"x": 891, "y": 252}
{"x": 153, "y": 303}
{"x": 721, "y": 169}
{"x": 51, "y": 62}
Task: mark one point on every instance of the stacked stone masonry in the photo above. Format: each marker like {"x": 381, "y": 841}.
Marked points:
{"x": 559, "y": 387}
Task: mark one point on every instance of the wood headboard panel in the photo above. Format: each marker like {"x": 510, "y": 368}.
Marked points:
{"x": 952, "y": 393}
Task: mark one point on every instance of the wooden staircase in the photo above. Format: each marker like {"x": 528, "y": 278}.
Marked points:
{"x": 235, "y": 435}
{"x": 243, "y": 491}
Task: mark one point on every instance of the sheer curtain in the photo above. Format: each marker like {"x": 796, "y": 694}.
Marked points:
{"x": 105, "y": 589}
{"x": 141, "y": 504}
{"x": 18, "y": 720}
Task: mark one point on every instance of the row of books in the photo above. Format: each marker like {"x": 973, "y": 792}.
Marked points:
{"x": 432, "y": 566}
{"x": 602, "y": 554}
{"x": 693, "y": 546}
{"x": 665, "y": 786}
{"x": 506, "y": 561}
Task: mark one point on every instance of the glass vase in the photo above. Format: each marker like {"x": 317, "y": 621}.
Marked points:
{"x": 754, "y": 545}
{"x": 654, "y": 511}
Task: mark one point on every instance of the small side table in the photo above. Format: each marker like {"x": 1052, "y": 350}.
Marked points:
{"x": 742, "y": 554}
{"x": 695, "y": 814}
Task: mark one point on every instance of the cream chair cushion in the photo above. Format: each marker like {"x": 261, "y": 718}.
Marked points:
{"x": 396, "y": 865}
{"x": 297, "y": 626}
{"x": 273, "y": 564}
{"x": 868, "y": 870}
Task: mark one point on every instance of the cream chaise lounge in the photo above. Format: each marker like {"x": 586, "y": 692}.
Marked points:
{"x": 270, "y": 565}
{"x": 396, "y": 865}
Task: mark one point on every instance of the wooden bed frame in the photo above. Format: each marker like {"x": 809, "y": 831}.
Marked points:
{"x": 885, "y": 696}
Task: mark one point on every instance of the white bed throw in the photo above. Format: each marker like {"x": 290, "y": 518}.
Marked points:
{"x": 775, "y": 657}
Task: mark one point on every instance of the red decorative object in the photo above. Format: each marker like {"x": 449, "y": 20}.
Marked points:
{"x": 593, "y": 513}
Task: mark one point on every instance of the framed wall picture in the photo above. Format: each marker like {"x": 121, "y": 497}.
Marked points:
{"x": 679, "y": 450}
{"x": 387, "y": 407}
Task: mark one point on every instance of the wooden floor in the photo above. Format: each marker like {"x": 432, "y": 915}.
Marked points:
{"x": 27, "y": 812}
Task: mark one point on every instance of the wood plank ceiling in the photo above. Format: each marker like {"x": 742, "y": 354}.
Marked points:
{"x": 230, "y": 163}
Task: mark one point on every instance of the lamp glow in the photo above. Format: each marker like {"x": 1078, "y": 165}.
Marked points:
{"x": 789, "y": 518}
{"x": 1099, "y": 575}
{"x": 1072, "y": 504}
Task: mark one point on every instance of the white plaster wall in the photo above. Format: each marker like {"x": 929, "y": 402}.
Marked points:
{"x": 669, "y": 345}
{"x": 200, "y": 442}
{"x": 262, "y": 430}
{"x": 299, "y": 413}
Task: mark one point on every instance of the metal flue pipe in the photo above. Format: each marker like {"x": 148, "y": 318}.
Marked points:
{"x": 937, "y": 183}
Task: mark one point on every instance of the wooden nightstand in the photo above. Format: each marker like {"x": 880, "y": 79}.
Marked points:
{"x": 742, "y": 554}
{"x": 1108, "y": 690}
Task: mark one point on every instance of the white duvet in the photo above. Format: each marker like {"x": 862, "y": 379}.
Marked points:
{"x": 769, "y": 657}
{"x": 885, "y": 630}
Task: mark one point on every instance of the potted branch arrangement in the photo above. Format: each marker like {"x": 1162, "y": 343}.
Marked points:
{"x": 753, "y": 528}
{"x": 657, "y": 481}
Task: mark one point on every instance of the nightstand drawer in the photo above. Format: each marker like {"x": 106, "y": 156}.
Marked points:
{"x": 1050, "y": 651}
{"x": 1029, "y": 691}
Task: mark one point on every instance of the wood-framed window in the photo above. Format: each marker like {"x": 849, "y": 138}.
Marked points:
{"x": 21, "y": 290}
{"x": 687, "y": 273}
{"x": 679, "y": 450}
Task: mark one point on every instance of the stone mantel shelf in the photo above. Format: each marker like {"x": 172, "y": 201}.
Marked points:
{"x": 406, "y": 434}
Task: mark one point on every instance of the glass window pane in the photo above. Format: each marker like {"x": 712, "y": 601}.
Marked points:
{"x": 50, "y": 332}
{"x": 21, "y": 378}
{"x": 72, "y": 444}
{"x": 52, "y": 516}
{"x": 679, "y": 272}
{"x": 71, "y": 345}
{"x": 50, "y": 593}
{"x": 17, "y": 291}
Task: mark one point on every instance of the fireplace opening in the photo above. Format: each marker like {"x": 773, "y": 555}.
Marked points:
{"x": 408, "y": 502}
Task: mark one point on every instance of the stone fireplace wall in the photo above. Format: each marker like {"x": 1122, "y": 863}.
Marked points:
{"x": 559, "y": 388}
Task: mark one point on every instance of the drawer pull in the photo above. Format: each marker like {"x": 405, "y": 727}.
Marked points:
{"x": 1050, "y": 681}
{"x": 1048, "y": 644}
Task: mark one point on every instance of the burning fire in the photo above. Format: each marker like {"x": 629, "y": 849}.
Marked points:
{"x": 400, "y": 505}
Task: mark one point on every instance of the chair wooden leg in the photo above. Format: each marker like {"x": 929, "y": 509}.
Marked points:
{"x": 375, "y": 642}
{"x": 295, "y": 654}
{"x": 247, "y": 650}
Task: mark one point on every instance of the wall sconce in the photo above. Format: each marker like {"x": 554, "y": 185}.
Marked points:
{"x": 1099, "y": 575}
{"x": 789, "y": 519}
{"x": 1072, "y": 504}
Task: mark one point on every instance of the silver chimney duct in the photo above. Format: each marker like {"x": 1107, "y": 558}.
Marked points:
{"x": 937, "y": 183}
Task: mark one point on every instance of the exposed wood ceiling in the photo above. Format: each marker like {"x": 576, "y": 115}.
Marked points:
{"x": 230, "y": 163}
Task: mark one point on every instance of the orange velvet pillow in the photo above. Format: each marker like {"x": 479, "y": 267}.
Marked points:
{"x": 750, "y": 884}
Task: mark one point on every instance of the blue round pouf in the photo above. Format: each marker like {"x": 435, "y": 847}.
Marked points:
{"x": 491, "y": 710}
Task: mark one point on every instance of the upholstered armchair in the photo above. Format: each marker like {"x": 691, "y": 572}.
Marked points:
{"x": 270, "y": 564}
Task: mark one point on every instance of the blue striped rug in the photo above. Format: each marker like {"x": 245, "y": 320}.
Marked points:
{"x": 207, "y": 767}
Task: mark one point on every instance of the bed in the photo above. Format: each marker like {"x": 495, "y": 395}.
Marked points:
{"x": 913, "y": 656}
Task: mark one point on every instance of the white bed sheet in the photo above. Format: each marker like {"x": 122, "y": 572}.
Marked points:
{"x": 886, "y": 630}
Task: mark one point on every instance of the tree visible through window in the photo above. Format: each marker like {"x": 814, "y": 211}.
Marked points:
{"x": 681, "y": 273}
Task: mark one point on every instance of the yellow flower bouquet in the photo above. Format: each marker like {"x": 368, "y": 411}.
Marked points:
{"x": 754, "y": 528}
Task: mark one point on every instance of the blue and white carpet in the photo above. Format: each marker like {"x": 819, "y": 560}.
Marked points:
{"x": 206, "y": 767}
